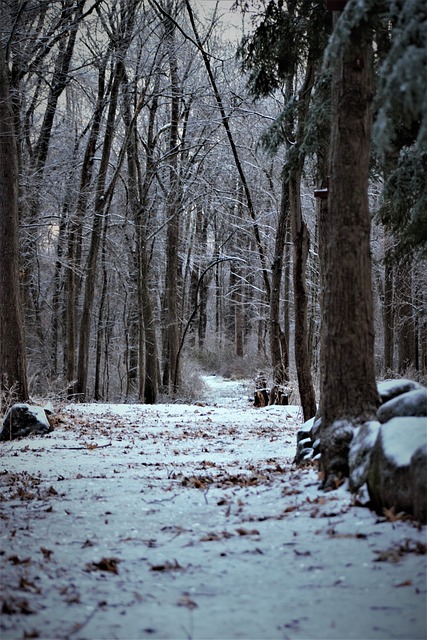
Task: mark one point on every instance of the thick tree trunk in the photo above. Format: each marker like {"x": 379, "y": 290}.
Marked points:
{"x": 348, "y": 388}
{"x": 13, "y": 380}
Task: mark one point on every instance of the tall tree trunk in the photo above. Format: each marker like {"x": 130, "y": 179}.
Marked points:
{"x": 12, "y": 344}
{"x": 301, "y": 242}
{"x": 100, "y": 329}
{"x": 278, "y": 345}
{"x": 388, "y": 314}
{"x": 348, "y": 388}
{"x": 172, "y": 373}
{"x": 238, "y": 314}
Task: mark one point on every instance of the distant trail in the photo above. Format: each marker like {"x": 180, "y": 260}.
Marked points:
{"x": 224, "y": 392}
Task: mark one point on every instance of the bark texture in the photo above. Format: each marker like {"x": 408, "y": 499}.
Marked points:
{"x": 278, "y": 344}
{"x": 348, "y": 388}
{"x": 12, "y": 347}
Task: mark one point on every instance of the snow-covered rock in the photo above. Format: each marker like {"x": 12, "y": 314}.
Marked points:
{"x": 304, "y": 442}
{"x": 22, "y": 420}
{"x": 397, "y": 468}
{"x": 388, "y": 389}
{"x": 360, "y": 453}
{"x": 411, "y": 403}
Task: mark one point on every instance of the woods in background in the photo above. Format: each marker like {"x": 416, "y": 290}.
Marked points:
{"x": 164, "y": 216}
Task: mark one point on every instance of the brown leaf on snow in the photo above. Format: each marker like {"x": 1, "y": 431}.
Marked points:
{"x": 247, "y": 532}
{"x": 17, "y": 560}
{"x": 167, "y": 566}
{"x": 13, "y": 606}
{"x": 212, "y": 536}
{"x": 87, "y": 543}
{"x": 318, "y": 500}
{"x": 106, "y": 564}
{"x": 290, "y": 508}
{"x": 394, "y": 554}
{"x": 405, "y": 583}
{"x": 392, "y": 516}
{"x": 198, "y": 482}
{"x": 90, "y": 446}
{"x": 27, "y": 585}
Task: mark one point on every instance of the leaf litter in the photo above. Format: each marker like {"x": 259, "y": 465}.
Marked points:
{"x": 190, "y": 521}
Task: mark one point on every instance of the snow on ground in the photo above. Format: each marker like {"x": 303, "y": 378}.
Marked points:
{"x": 190, "y": 522}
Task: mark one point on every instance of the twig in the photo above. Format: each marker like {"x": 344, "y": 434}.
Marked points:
{"x": 89, "y": 448}
{"x": 79, "y": 626}
{"x": 161, "y": 500}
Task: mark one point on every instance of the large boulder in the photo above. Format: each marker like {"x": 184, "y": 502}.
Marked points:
{"x": 388, "y": 389}
{"x": 360, "y": 453}
{"x": 22, "y": 419}
{"x": 411, "y": 403}
{"x": 397, "y": 470}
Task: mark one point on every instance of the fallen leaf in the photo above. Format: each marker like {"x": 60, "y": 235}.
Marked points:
{"x": 106, "y": 564}
{"x": 27, "y": 585}
{"x": 167, "y": 566}
{"x": 247, "y": 532}
{"x": 17, "y": 560}
{"x": 405, "y": 583}
{"x": 392, "y": 516}
{"x": 13, "y": 606}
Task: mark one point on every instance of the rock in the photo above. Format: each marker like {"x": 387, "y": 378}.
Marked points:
{"x": 411, "y": 403}
{"x": 396, "y": 476}
{"x": 22, "y": 420}
{"x": 388, "y": 389}
{"x": 304, "y": 442}
{"x": 315, "y": 431}
{"x": 419, "y": 479}
{"x": 360, "y": 453}
{"x": 305, "y": 430}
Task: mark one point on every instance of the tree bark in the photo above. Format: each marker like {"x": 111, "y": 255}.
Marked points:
{"x": 301, "y": 243}
{"x": 348, "y": 388}
{"x": 279, "y": 351}
{"x": 13, "y": 381}
{"x": 388, "y": 316}
{"x": 171, "y": 377}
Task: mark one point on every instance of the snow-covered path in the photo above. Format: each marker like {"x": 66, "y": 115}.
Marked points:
{"x": 189, "y": 521}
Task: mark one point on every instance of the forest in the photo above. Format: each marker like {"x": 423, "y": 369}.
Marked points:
{"x": 174, "y": 200}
